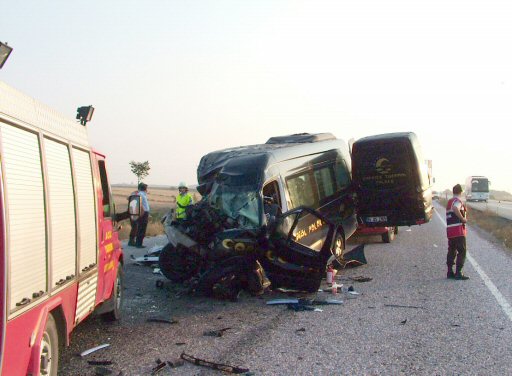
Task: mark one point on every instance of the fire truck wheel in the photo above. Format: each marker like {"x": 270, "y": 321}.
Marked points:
{"x": 49, "y": 357}
{"x": 117, "y": 296}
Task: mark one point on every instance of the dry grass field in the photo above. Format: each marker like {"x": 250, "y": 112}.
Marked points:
{"x": 161, "y": 200}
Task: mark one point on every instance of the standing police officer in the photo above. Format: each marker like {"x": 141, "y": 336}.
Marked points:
{"x": 456, "y": 232}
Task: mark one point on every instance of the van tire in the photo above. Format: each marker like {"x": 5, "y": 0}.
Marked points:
{"x": 117, "y": 297}
{"x": 178, "y": 263}
{"x": 49, "y": 355}
{"x": 338, "y": 251}
{"x": 389, "y": 236}
{"x": 222, "y": 282}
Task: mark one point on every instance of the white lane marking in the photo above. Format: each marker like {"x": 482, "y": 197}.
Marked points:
{"x": 502, "y": 301}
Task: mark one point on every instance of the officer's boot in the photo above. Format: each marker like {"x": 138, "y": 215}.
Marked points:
{"x": 450, "y": 274}
{"x": 460, "y": 275}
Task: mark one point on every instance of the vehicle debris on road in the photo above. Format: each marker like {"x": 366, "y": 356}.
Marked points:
{"x": 94, "y": 349}
{"x": 361, "y": 278}
{"x": 161, "y": 320}
{"x": 215, "y": 333}
{"x": 217, "y": 366}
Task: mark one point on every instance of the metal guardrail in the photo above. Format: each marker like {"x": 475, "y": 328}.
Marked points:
{"x": 500, "y": 208}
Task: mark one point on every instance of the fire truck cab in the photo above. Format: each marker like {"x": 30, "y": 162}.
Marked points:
{"x": 60, "y": 256}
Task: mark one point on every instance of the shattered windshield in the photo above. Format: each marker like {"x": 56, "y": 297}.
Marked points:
{"x": 237, "y": 202}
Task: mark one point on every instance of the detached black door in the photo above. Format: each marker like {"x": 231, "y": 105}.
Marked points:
{"x": 300, "y": 246}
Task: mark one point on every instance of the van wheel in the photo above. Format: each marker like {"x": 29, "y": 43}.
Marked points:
{"x": 117, "y": 296}
{"x": 49, "y": 356}
{"x": 222, "y": 282}
{"x": 337, "y": 251}
{"x": 388, "y": 236}
{"x": 178, "y": 263}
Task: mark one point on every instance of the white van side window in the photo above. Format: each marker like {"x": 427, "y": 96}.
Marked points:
{"x": 342, "y": 174}
{"x": 301, "y": 189}
{"x": 325, "y": 181}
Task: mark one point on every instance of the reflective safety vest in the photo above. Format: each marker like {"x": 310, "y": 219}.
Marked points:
{"x": 182, "y": 201}
{"x": 454, "y": 226}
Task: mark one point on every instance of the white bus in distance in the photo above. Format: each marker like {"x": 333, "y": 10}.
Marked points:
{"x": 477, "y": 188}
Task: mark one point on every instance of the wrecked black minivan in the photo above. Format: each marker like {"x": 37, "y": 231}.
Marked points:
{"x": 288, "y": 204}
{"x": 392, "y": 180}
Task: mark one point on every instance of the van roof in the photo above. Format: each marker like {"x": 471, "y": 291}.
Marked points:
{"x": 388, "y": 137}
{"x": 277, "y": 149}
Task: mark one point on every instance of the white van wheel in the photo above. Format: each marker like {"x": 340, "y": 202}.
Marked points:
{"x": 49, "y": 356}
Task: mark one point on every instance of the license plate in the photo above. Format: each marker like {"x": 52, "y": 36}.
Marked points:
{"x": 376, "y": 219}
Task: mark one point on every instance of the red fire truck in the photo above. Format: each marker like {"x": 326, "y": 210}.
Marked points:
{"x": 60, "y": 256}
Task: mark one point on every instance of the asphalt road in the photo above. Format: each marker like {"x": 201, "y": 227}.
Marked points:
{"x": 408, "y": 320}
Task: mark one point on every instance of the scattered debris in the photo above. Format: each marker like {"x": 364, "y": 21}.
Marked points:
{"x": 175, "y": 363}
{"x": 162, "y": 320}
{"x": 304, "y": 301}
{"x": 354, "y": 258}
{"x": 455, "y": 325}
{"x": 99, "y": 362}
{"x": 360, "y": 278}
{"x": 302, "y": 307}
{"x": 101, "y": 371}
{"x": 157, "y": 271}
{"x": 155, "y": 251}
{"x": 217, "y": 366}
{"x": 408, "y": 230}
{"x": 282, "y": 301}
{"x": 215, "y": 333}
{"x": 402, "y": 306}
{"x": 300, "y": 330}
{"x": 180, "y": 343}
{"x": 403, "y": 322}
{"x": 159, "y": 366}
{"x": 435, "y": 245}
{"x": 145, "y": 259}
{"x": 159, "y": 284}
{"x": 94, "y": 349}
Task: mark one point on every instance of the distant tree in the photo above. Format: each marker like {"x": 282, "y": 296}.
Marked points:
{"x": 140, "y": 169}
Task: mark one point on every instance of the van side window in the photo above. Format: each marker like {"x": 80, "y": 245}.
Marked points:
{"x": 302, "y": 190}
{"x": 104, "y": 189}
{"x": 325, "y": 181}
{"x": 342, "y": 174}
{"x": 272, "y": 190}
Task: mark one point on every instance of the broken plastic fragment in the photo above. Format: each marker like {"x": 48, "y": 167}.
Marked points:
{"x": 94, "y": 349}
{"x": 215, "y": 333}
{"x": 217, "y": 366}
{"x": 162, "y": 320}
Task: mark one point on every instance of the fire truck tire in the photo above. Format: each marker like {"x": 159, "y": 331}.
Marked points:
{"x": 117, "y": 296}
{"x": 178, "y": 263}
{"x": 49, "y": 356}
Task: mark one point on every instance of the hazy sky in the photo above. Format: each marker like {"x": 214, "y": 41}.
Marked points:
{"x": 173, "y": 80}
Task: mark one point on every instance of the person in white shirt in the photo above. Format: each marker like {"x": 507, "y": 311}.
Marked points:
{"x": 142, "y": 222}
